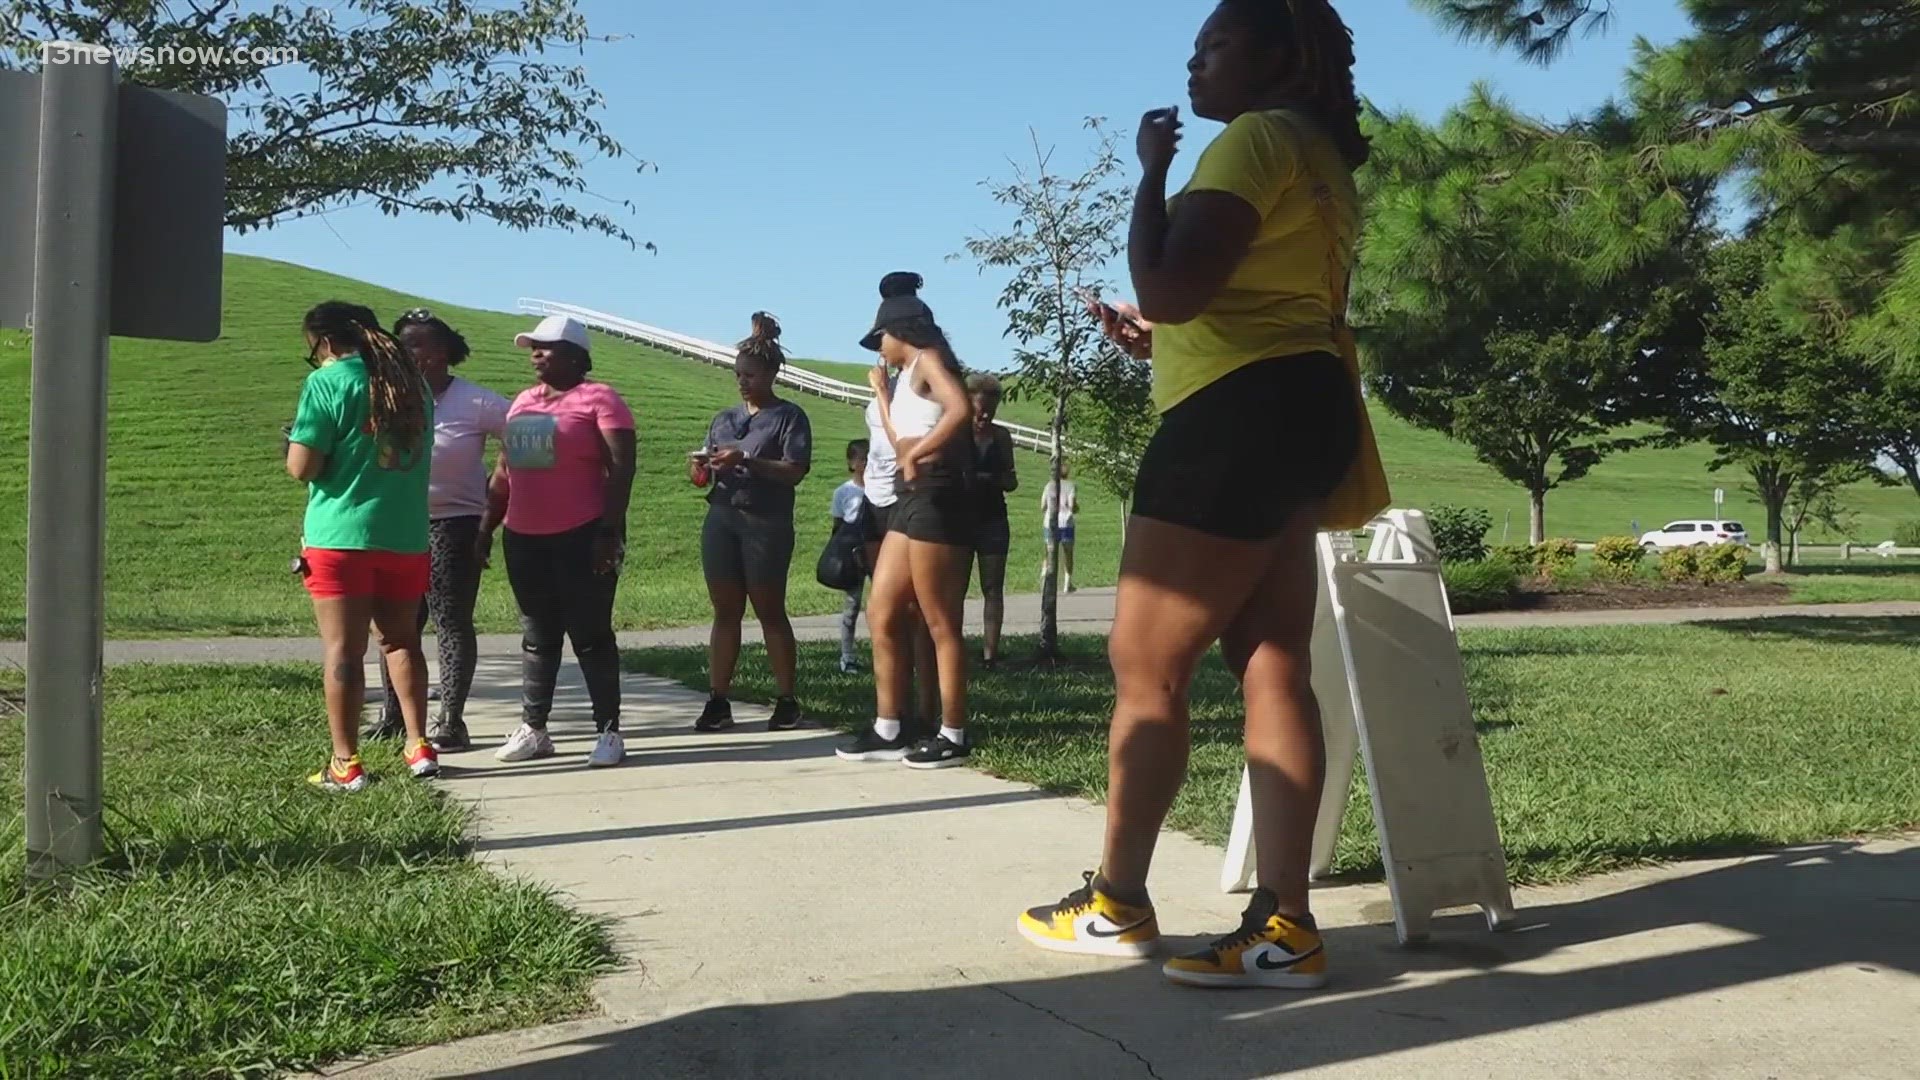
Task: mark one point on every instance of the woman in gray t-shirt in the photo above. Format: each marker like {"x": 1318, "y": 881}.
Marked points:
{"x": 757, "y": 452}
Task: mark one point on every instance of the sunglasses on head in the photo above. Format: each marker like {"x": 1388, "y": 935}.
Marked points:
{"x": 414, "y": 315}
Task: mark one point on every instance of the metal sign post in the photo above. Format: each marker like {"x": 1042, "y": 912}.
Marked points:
{"x": 126, "y": 195}
{"x": 1719, "y": 500}
{"x": 67, "y": 464}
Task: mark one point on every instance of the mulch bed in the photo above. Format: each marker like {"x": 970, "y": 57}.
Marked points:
{"x": 1627, "y": 596}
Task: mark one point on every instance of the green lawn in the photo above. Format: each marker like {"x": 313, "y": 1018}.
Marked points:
{"x": 202, "y": 518}
{"x": 244, "y": 923}
{"x": 1604, "y": 748}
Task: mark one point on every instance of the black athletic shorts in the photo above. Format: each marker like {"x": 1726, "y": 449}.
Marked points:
{"x": 936, "y": 514}
{"x": 873, "y": 522}
{"x": 1244, "y": 453}
{"x": 740, "y": 547}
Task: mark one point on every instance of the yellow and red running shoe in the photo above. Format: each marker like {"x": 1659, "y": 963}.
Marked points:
{"x": 340, "y": 776}
{"x": 423, "y": 761}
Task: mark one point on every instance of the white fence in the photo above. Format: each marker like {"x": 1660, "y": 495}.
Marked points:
{"x": 719, "y": 355}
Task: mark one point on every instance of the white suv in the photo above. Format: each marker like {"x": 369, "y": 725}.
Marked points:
{"x": 1695, "y": 533}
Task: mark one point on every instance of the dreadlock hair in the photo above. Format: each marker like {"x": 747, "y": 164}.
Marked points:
{"x": 764, "y": 343}
{"x": 457, "y": 348}
{"x": 397, "y": 394}
{"x": 1319, "y": 48}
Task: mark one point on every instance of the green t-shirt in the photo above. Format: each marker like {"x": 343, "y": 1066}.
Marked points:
{"x": 363, "y": 499}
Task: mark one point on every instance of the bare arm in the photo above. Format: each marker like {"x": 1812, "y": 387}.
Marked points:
{"x": 617, "y": 454}
{"x": 304, "y": 463}
{"x": 497, "y": 493}
{"x": 1180, "y": 263}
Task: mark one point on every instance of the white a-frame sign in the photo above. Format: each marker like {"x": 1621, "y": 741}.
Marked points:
{"x": 1388, "y": 674}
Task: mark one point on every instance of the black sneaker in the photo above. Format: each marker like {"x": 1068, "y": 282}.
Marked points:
{"x": 387, "y": 727}
{"x": 937, "y": 753}
{"x": 449, "y": 735}
{"x": 869, "y": 746}
{"x": 786, "y": 715}
{"x": 717, "y": 716}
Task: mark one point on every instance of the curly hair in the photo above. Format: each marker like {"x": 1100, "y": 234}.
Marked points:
{"x": 1320, "y": 75}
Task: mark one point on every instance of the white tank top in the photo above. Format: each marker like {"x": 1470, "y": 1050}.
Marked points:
{"x": 913, "y": 416}
{"x": 880, "y": 460}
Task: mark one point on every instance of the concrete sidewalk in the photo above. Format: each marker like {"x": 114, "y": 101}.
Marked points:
{"x": 785, "y": 914}
{"x": 1089, "y": 611}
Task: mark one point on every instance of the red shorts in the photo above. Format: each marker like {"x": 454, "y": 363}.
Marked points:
{"x": 384, "y": 575}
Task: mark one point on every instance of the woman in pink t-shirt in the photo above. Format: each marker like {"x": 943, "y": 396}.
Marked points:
{"x": 561, "y": 490}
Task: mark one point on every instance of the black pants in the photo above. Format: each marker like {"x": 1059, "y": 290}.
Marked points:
{"x": 451, "y": 590}
{"x": 561, "y": 597}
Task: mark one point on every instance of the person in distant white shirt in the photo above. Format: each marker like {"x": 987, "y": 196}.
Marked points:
{"x": 848, "y": 500}
{"x": 465, "y": 416}
{"x": 1067, "y": 499}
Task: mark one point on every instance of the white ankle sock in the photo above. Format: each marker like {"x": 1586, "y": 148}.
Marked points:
{"x": 887, "y": 729}
{"x": 954, "y": 735}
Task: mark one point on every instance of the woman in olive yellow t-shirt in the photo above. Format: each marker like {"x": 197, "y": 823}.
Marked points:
{"x": 1241, "y": 280}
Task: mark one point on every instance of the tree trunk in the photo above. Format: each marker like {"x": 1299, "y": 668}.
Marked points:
{"x": 1773, "y": 490}
{"x": 1537, "y": 524}
{"x": 1050, "y": 581}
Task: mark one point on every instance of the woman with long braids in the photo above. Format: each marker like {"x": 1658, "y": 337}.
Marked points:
{"x": 561, "y": 490}
{"x": 756, "y": 453}
{"x": 925, "y": 414}
{"x": 1241, "y": 280}
{"x": 362, "y": 440}
{"x": 465, "y": 416}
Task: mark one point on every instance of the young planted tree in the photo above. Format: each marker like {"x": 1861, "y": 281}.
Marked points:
{"x": 1523, "y": 290}
{"x": 1066, "y": 230}
{"x": 1113, "y": 422}
{"x": 452, "y": 108}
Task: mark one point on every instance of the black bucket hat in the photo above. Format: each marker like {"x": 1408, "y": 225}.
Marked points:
{"x": 899, "y": 304}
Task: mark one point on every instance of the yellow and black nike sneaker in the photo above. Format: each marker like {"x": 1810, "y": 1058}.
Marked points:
{"x": 1089, "y": 922}
{"x": 1269, "y": 950}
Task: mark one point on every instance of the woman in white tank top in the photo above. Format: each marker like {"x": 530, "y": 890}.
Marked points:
{"x": 921, "y": 572}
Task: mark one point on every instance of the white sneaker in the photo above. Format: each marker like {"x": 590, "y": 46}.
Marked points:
{"x": 609, "y": 751}
{"x": 526, "y": 744}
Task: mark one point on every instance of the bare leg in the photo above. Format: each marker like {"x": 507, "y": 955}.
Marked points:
{"x": 343, "y": 622}
{"x": 940, "y": 586}
{"x": 770, "y": 607}
{"x": 1179, "y": 590}
{"x": 399, "y": 625}
{"x": 723, "y": 644}
{"x": 1269, "y": 647}
{"x": 890, "y": 617}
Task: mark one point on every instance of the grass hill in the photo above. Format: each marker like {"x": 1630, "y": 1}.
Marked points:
{"x": 202, "y": 517}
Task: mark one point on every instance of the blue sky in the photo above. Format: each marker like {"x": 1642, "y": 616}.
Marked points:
{"x": 804, "y": 150}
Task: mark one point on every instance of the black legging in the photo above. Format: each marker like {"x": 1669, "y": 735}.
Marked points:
{"x": 454, "y": 584}
{"x": 561, "y": 598}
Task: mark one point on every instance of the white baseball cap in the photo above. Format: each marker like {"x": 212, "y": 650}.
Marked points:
{"x": 555, "y": 328}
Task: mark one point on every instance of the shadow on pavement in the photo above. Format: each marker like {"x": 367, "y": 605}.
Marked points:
{"x": 1828, "y": 906}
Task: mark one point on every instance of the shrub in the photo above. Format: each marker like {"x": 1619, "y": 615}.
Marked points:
{"x": 1555, "y": 558}
{"x": 1517, "y": 556}
{"x": 1907, "y": 534}
{"x": 1460, "y": 533}
{"x": 1617, "y": 558}
{"x": 1487, "y": 585}
{"x": 1723, "y": 563}
{"x": 1680, "y": 565}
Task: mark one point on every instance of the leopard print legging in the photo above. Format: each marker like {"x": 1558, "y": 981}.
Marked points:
{"x": 454, "y": 584}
